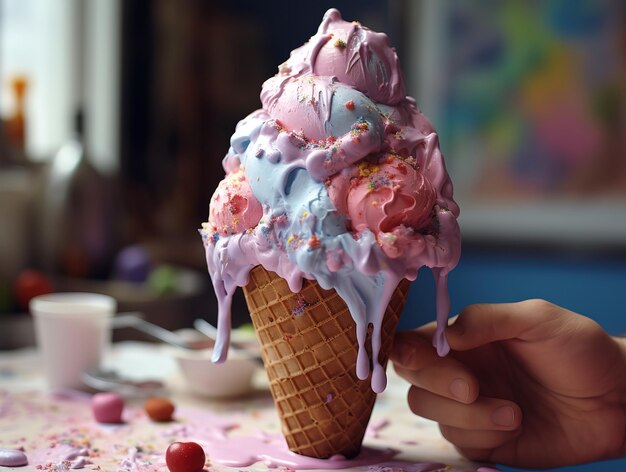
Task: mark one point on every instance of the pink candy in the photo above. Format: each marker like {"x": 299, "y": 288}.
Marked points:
{"x": 12, "y": 458}
{"x": 107, "y": 407}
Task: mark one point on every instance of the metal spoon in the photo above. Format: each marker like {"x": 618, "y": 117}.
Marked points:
{"x": 210, "y": 331}
{"x": 132, "y": 320}
{"x": 110, "y": 380}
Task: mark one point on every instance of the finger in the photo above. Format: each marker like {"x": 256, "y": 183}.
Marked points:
{"x": 416, "y": 361}
{"x": 428, "y": 329}
{"x": 477, "y": 439}
{"x": 481, "y": 324}
{"x": 412, "y": 350}
{"x": 445, "y": 377}
{"x": 484, "y": 414}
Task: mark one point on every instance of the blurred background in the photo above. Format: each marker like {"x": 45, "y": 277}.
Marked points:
{"x": 116, "y": 115}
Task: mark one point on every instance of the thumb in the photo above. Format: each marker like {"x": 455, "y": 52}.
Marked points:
{"x": 482, "y": 324}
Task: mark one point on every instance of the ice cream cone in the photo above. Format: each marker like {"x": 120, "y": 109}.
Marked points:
{"x": 309, "y": 348}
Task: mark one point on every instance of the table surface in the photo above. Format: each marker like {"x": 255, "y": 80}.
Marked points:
{"x": 57, "y": 430}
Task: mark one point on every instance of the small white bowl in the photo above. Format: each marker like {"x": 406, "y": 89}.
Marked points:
{"x": 233, "y": 378}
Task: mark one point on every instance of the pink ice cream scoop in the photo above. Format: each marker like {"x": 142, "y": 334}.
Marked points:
{"x": 233, "y": 207}
{"x": 303, "y": 104}
{"x": 359, "y": 57}
{"x": 309, "y": 92}
{"x": 383, "y": 195}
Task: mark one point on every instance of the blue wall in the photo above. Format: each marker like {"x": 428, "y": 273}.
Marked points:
{"x": 590, "y": 284}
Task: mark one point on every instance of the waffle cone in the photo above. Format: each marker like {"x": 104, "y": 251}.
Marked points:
{"x": 309, "y": 348}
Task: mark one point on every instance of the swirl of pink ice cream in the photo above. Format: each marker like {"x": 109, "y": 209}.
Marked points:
{"x": 233, "y": 208}
{"x": 359, "y": 57}
{"x": 382, "y": 195}
{"x": 353, "y": 54}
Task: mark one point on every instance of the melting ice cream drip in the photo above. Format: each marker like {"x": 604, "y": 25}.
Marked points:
{"x": 312, "y": 129}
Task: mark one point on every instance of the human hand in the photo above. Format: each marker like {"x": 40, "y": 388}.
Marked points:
{"x": 527, "y": 384}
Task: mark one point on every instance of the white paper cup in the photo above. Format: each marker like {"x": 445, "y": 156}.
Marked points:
{"x": 73, "y": 331}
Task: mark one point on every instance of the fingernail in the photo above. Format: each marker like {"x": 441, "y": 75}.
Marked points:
{"x": 503, "y": 416}
{"x": 460, "y": 389}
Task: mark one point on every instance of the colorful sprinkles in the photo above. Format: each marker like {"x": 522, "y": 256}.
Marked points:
{"x": 301, "y": 306}
{"x": 314, "y": 242}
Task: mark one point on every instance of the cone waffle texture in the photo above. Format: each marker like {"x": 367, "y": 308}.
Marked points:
{"x": 309, "y": 348}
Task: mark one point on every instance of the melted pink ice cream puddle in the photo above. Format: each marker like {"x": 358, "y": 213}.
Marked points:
{"x": 272, "y": 450}
{"x": 80, "y": 444}
{"x": 224, "y": 448}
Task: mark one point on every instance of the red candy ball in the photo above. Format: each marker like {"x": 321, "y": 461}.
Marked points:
{"x": 185, "y": 457}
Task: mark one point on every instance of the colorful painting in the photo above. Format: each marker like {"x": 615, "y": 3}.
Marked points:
{"x": 533, "y": 105}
